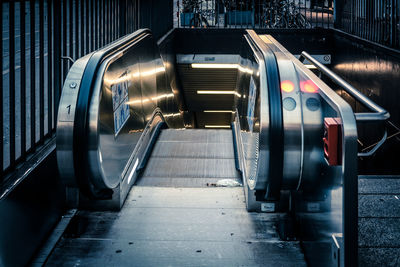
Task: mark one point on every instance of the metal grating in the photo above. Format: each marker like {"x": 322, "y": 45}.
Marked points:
{"x": 191, "y": 158}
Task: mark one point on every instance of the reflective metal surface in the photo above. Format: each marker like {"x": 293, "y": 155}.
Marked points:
{"x": 129, "y": 85}
{"x": 326, "y": 201}
{"x": 279, "y": 110}
{"x": 65, "y": 121}
{"x": 251, "y": 102}
{"x": 166, "y": 46}
{"x": 303, "y": 122}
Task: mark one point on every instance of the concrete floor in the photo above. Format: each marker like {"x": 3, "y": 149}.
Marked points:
{"x": 379, "y": 220}
{"x": 161, "y": 226}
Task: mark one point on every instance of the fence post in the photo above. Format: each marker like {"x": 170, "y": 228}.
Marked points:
{"x": 57, "y": 57}
{"x": 393, "y": 24}
{"x": 1, "y": 93}
{"x": 122, "y": 17}
{"x": 338, "y": 14}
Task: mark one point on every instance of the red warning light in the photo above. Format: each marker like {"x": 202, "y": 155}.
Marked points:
{"x": 287, "y": 86}
{"x": 308, "y": 86}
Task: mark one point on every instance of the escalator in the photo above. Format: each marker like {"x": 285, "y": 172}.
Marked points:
{"x": 191, "y": 158}
{"x": 210, "y": 159}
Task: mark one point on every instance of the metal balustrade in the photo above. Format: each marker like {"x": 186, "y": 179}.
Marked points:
{"x": 376, "y": 20}
{"x": 255, "y": 14}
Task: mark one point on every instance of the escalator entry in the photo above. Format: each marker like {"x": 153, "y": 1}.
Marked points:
{"x": 291, "y": 141}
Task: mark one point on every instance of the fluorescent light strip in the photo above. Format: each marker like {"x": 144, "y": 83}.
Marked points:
{"x": 309, "y": 66}
{"x": 212, "y": 92}
{"x": 213, "y": 66}
{"x": 221, "y": 66}
{"x": 133, "y": 171}
{"x": 218, "y": 111}
{"x": 217, "y": 126}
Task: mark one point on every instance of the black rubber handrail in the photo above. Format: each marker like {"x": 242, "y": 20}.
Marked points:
{"x": 276, "y": 146}
{"x": 80, "y": 142}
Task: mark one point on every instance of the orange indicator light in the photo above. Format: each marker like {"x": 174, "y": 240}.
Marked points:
{"x": 308, "y": 86}
{"x": 287, "y": 86}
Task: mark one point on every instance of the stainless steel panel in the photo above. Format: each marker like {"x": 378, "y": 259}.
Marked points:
{"x": 109, "y": 150}
{"x": 251, "y": 101}
{"x": 292, "y": 110}
{"x": 177, "y": 105}
{"x": 130, "y": 96}
{"x": 303, "y": 123}
{"x": 65, "y": 121}
{"x": 326, "y": 203}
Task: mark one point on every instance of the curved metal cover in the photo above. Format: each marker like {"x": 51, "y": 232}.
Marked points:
{"x": 260, "y": 116}
{"x": 112, "y": 108}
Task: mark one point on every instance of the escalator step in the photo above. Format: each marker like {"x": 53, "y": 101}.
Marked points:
{"x": 191, "y": 158}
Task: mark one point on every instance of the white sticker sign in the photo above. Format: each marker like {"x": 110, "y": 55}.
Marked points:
{"x": 121, "y": 115}
{"x": 251, "y": 104}
{"x": 120, "y": 105}
{"x": 119, "y": 93}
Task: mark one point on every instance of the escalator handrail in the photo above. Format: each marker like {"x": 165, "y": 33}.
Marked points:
{"x": 378, "y": 113}
{"x": 275, "y": 170}
{"x": 80, "y": 144}
{"x": 349, "y": 158}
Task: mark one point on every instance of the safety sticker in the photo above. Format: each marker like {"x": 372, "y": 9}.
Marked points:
{"x": 251, "y": 104}
{"x": 120, "y": 105}
{"x": 121, "y": 116}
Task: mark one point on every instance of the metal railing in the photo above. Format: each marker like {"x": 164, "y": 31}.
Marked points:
{"x": 255, "y": 14}
{"x": 375, "y": 20}
{"x": 378, "y": 113}
{"x": 35, "y": 65}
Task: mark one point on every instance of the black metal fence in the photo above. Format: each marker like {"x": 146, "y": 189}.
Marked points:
{"x": 254, "y": 13}
{"x": 374, "y": 20}
{"x": 40, "y": 40}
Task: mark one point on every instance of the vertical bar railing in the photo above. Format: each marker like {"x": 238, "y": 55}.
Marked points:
{"x": 38, "y": 39}
{"x": 77, "y": 33}
{"x": 22, "y": 78}
{"x": 50, "y": 65}
{"x": 71, "y": 31}
{"x": 1, "y": 95}
{"x": 57, "y": 56}
{"x": 32, "y": 76}
{"x": 264, "y": 13}
{"x": 82, "y": 27}
{"x": 11, "y": 89}
{"x": 41, "y": 71}
{"x": 373, "y": 20}
{"x": 64, "y": 39}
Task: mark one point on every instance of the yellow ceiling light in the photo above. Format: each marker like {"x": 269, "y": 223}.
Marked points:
{"x": 214, "y": 66}
{"x": 310, "y": 66}
{"x": 217, "y": 126}
{"x": 218, "y": 111}
{"x": 221, "y": 66}
{"x": 215, "y": 92}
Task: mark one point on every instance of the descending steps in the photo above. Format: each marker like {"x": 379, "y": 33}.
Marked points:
{"x": 191, "y": 158}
